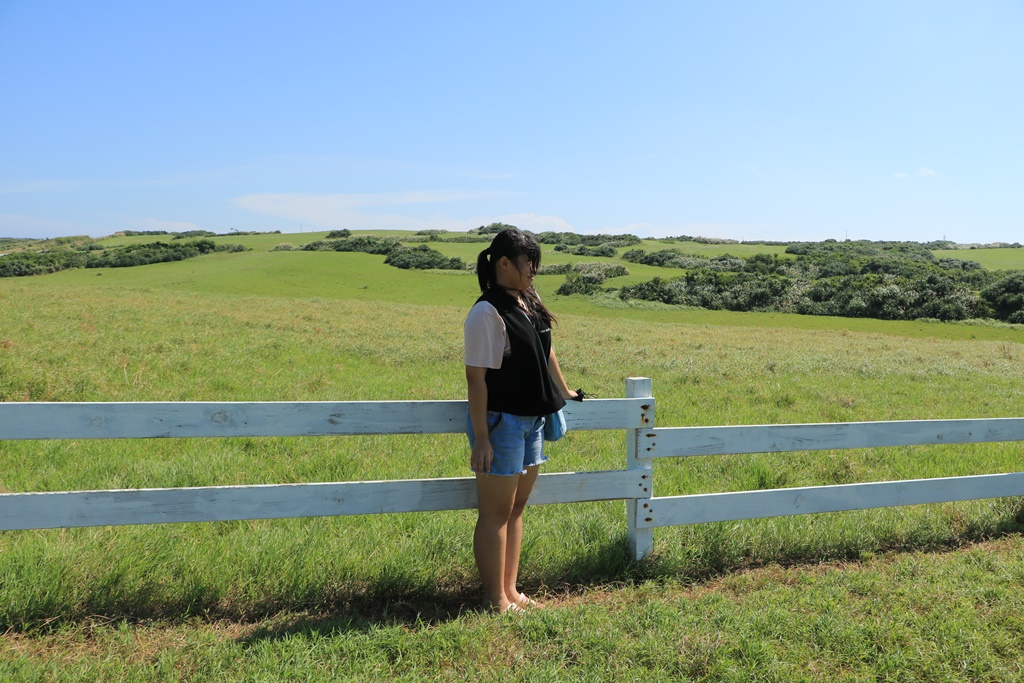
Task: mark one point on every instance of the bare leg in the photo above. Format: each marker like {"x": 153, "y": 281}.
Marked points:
{"x": 495, "y": 499}
{"x": 514, "y": 535}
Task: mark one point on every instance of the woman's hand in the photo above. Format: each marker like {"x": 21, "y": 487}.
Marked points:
{"x": 482, "y": 455}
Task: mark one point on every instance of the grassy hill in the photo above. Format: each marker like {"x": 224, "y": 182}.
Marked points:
{"x": 362, "y": 277}
{"x": 918, "y": 593}
{"x": 993, "y": 259}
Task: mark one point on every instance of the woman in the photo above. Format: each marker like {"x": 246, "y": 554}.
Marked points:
{"x": 513, "y": 381}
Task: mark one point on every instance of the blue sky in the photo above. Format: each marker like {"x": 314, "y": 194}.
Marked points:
{"x": 745, "y": 120}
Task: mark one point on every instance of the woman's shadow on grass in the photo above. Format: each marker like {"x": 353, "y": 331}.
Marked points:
{"x": 392, "y": 601}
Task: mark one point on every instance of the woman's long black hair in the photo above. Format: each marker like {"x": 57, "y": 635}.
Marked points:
{"x": 512, "y": 243}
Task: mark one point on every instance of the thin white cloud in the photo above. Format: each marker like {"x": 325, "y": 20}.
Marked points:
{"x": 924, "y": 172}
{"x": 17, "y": 225}
{"x": 359, "y": 210}
{"x": 203, "y": 177}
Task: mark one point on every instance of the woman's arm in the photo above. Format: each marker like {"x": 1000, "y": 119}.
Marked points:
{"x": 476, "y": 384}
{"x": 556, "y": 375}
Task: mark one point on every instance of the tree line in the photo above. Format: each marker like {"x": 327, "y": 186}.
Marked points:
{"x": 396, "y": 254}
{"x": 886, "y": 280}
{"x": 22, "y": 264}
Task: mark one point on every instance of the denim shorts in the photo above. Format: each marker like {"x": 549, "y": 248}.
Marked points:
{"x": 518, "y": 442}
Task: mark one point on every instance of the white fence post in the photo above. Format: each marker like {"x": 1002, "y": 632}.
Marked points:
{"x": 641, "y": 540}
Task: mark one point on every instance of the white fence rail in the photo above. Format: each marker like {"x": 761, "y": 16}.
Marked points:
{"x": 721, "y": 507}
{"x": 318, "y": 418}
{"x": 724, "y": 507}
{"x": 690, "y": 441}
{"x": 254, "y": 419}
{"x": 634, "y": 484}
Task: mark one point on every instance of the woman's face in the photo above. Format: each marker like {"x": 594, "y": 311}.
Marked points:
{"x": 519, "y": 272}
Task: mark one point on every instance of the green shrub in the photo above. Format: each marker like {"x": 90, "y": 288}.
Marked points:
{"x": 40, "y": 263}
{"x": 600, "y": 270}
{"x": 363, "y": 243}
{"x": 605, "y": 270}
{"x": 601, "y": 250}
{"x": 423, "y": 257}
{"x": 715, "y": 291}
{"x": 657, "y": 289}
{"x": 193, "y": 233}
{"x": 467, "y": 239}
{"x": 573, "y": 239}
{"x": 492, "y": 229}
{"x": 577, "y": 283}
{"x": 886, "y": 280}
{"x": 556, "y": 269}
{"x": 1006, "y": 297}
{"x": 145, "y": 254}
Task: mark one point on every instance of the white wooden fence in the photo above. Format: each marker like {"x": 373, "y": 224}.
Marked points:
{"x": 220, "y": 503}
{"x": 634, "y": 484}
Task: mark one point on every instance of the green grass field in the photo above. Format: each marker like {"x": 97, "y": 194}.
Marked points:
{"x": 993, "y": 259}
{"x": 920, "y": 593}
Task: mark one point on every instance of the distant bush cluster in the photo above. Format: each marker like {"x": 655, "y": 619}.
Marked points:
{"x": 584, "y": 278}
{"x": 423, "y": 257}
{"x": 419, "y": 257}
{"x": 190, "y": 233}
{"x": 445, "y": 236}
{"x": 886, "y": 280}
{"x": 464, "y": 239}
{"x": 605, "y": 269}
{"x": 673, "y": 258}
{"x": 363, "y": 243}
{"x": 1006, "y": 298}
{"x": 580, "y": 283}
{"x": 567, "y": 240}
{"x": 606, "y": 250}
{"x": 42, "y": 263}
{"x": 492, "y": 229}
{"x": 144, "y": 254}
{"x": 718, "y": 240}
{"x": 889, "y": 280}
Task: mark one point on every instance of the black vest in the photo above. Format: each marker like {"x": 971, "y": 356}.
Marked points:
{"x": 523, "y": 385}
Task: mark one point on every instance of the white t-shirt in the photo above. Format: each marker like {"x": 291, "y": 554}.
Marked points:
{"x": 485, "y": 336}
